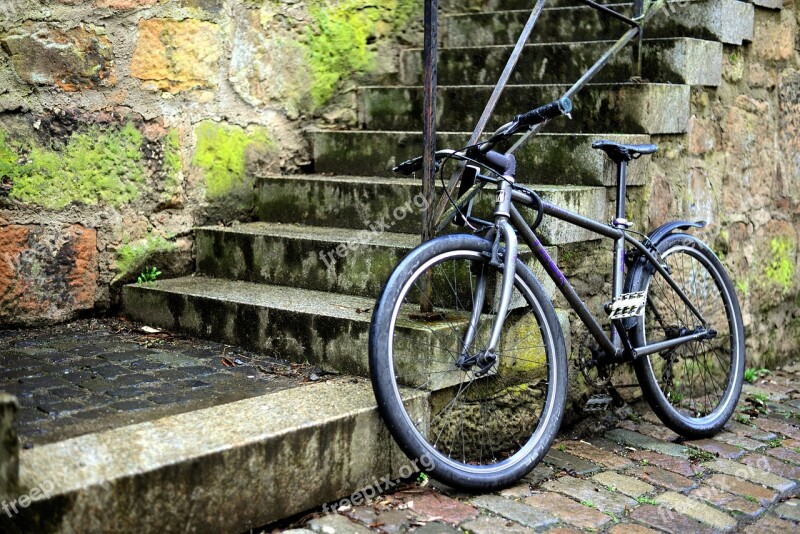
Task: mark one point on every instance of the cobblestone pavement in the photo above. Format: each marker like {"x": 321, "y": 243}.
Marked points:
{"x": 92, "y": 375}
{"x": 636, "y": 476}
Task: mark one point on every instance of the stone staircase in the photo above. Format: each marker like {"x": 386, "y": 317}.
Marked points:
{"x": 272, "y": 285}
{"x": 279, "y": 286}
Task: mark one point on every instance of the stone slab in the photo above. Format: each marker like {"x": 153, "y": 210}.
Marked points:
{"x": 639, "y": 108}
{"x": 753, "y": 474}
{"x": 624, "y": 484}
{"x": 328, "y": 432}
{"x": 569, "y": 511}
{"x": 589, "y": 492}
{"x": 639, "y": 441}
{"x": 697, "y": 510}
{"x": 523, "y": 514}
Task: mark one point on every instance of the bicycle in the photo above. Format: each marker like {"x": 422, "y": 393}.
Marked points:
{"x": 468, "y": 359}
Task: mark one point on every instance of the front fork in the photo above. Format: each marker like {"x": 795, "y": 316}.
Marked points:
{"x": 502, "y": 232}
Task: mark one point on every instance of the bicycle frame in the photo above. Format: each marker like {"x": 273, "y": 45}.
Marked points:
{"x": 509, "y": 223}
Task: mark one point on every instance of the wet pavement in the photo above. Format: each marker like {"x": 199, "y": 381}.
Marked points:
{"x": 93, "y": 375}
{"x": 621, "y": 472}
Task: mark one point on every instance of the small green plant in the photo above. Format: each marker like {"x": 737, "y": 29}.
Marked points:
{"x": 149, "y": 275}
{"x": 774, "y": 442}
{"x": 646, "y": 500}
{"x": 590, "y": 504}
{"x": 612, "y": 515}
{"x": 562, "y": 448}
{"x": 750, "y": 498}
{"x": 742, "y": 418}
{"x": 797, "y": 450}
{"x": 644, "y": 462}
{"x": 699, "y": 455}
{"x": 612, "y": 489}
{"x": 422, "y": 479}
{"x": 675, "y": 396}
{"x": 760, "y": 397}
{"x": 751, "y": 374}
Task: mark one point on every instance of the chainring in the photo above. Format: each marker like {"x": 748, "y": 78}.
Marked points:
{"x": 596, "y": 375}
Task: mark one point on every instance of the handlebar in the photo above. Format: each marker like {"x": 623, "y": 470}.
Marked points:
{"x": 526, "y": 121}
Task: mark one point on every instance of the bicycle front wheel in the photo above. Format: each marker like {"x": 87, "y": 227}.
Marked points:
{"x": 693, "y": 389}
{"x": 479, "y": 421}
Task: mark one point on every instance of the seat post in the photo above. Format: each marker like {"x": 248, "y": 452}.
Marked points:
{"x": 622, "y": 187}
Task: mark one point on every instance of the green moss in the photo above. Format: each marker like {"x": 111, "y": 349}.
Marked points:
{"x": 222, "y": 153}
{"x": 131, "y": 258}
{"x": 95, "y": 166}
{"x": 781, "y": 267}
{"x": 339, "y": 42}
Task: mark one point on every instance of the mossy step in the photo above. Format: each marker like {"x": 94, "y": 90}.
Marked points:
{"x": 678, "y": 60}
{"x": 645, "y": 108}
{"x": 727, "y": 21}
{"x": 247, "y": 456}
{"x": 321, "y": 258}
{"x": 556, "y": 159}
{"x": 326, "y": 329}
{"x": 363, "y": 203}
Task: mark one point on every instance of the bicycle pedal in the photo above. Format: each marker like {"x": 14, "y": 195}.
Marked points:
{"x": 598, "y": 403}
{"x": 627, "y": 305}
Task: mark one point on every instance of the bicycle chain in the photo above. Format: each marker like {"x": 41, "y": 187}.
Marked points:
{"x": 600, "y": 379}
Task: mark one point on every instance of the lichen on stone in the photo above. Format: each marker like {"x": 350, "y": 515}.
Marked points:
{"x": 173, "y": 163}
{"x": 222, "y": 152}
{"x": 95, "y": 166}
{"x": 781, "y": 269}
{"x": 338, "y": 42}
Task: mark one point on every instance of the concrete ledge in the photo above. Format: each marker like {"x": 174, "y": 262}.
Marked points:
{"x": 224, "y": 469}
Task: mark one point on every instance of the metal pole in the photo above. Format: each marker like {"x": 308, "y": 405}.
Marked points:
{"x": 430, "y": 58}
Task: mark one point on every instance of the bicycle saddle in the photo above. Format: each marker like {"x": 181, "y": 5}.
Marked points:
{"x": 623, "y": 153}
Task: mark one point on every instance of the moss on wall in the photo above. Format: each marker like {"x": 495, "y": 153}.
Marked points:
{"x": 781, "y": 269}
{"x": 173, "y": 164}
{"x": 221, "y": 153}
{"x": 94, "y": 166}
{"x": 339, "y": 41}
{"x": 133, "y": 258}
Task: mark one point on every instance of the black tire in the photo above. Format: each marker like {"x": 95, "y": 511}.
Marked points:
{"x": 694, "y": 388}
{"x": 503, "y": 422}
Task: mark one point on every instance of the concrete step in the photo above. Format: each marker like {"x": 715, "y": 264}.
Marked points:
{"x": 727, "y": 21}
{"x": 679, "y": 60}
{"x": 632, "y": 108}
{"x": 555, "y": 159}
{"x": 229, "y": 468}
{"x": 326, "y": 329}
{"x": 370, "y": 204}
{"x": 320, "y": 258}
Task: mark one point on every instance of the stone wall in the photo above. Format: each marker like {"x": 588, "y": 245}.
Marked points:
{"x": 739, "y": 169}
{"x": 125, "y": 123}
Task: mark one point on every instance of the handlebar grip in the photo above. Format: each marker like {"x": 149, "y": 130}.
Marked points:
{"x": 545, "y": 113}
{"x": 409, "y": 167}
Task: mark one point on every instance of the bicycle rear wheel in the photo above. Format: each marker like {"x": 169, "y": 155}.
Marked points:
{"x": 693, "y": 389}
{"x": 481, "y": 425}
